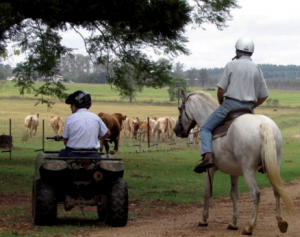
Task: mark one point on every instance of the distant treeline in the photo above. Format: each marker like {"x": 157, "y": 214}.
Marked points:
{"x": 278, "y": 77}
{"x": 81, "y": 69}
{"x": 270, "y": 71}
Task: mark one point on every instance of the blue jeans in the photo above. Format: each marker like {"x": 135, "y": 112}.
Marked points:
{"x": 216, "y": 118}
{"x": 72, "y": 153}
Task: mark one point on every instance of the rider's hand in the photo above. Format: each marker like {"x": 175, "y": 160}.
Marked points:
{"x": 58, "y": 138}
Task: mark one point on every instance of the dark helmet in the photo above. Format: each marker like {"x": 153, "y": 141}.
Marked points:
{"x": 81, "y": 99}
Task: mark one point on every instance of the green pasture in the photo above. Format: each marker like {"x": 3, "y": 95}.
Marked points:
{"x": 166, "y": 175}
{"x": 103, "y": 92}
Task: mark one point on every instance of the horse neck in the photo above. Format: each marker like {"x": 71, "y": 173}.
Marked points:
{"x": 201, "y": 109}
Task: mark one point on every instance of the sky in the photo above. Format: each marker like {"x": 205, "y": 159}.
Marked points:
{"x": 273, "y": 25}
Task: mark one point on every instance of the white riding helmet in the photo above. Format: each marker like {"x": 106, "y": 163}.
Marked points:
{"x": 245, "y": 44}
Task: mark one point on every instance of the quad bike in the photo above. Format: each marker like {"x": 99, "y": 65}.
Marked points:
{"x": 79, "y": 181}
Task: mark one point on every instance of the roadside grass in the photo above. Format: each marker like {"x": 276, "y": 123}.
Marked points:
{"x": 165, "y": 175}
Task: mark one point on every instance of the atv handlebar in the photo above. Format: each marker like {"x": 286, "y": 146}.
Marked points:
{"x": 56, "y": 138}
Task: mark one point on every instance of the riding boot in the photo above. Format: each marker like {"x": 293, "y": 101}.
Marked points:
{"x": 208, "y": 162}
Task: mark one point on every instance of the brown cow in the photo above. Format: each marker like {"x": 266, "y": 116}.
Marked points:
{"x": 114, "y": 127}
{"x": 120, "y": 118}
{"x": 31, "y": 122}
{"x": 57, "y": 123}
{"x": 144, "y": 129}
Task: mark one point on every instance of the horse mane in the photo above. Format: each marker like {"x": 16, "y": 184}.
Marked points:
{"x": 206, "y": 96}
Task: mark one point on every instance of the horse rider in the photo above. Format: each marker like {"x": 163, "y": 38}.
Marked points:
{"x": 242, "y": 85}
{"x": 83, "y": 129}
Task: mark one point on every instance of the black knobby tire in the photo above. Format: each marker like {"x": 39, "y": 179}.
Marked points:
{"x": 117, "y": 209}
{"x": 44, "y": 203}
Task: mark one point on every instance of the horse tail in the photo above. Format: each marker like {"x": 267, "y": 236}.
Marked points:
{"x": 270, "y": 164}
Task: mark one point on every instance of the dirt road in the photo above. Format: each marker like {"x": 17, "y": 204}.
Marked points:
{"x": 174, "y": 221}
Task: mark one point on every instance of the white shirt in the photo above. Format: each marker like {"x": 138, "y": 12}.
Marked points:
{"x": 243, "y": 80}
{"x": 83, "y": 129}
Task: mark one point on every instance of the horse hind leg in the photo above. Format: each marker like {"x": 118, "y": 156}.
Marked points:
{"x": 233, "y": 225}
{"x": 283, "y": 225}
{"x": 255, "y": 194}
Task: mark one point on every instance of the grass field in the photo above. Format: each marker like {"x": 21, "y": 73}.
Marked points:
{"x": 151, "y": 175}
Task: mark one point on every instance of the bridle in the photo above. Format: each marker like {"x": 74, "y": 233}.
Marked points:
{"x": 182, "y": 109}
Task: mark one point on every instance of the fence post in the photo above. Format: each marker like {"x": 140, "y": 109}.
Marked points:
{"x": 43, "y": 137}
{"x": 140, "y": 139}
{"x": 157, "y": 136}
{"x": 148, "y": 129}
{"x": 10, "y": 140}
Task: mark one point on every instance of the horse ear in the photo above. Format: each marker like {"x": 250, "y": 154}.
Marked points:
{"x": 182, "y": 93}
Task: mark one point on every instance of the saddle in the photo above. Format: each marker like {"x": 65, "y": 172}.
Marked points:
{"x": 222, "y": 129}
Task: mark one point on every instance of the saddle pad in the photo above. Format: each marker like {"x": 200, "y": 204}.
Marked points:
{"x": 222, "y": 129}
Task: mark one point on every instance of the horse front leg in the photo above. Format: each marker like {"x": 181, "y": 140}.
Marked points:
{"x": 255, "y": 193}
{"x": 233, "y": 225}
{"x": 207, "y": 195}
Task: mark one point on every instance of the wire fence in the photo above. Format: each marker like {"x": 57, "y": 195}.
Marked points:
{"x": 22, "y": 140}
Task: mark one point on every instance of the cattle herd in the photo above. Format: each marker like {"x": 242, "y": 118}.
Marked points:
{"x": 160, "y": 127}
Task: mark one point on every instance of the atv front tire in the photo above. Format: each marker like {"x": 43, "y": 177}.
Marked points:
{"x": 117, "y": 208}
{"x": 44, "y": 203}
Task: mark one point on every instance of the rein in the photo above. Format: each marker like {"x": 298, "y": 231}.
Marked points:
{"x": 194, "y": 123}
{"x": 180, "y": 114}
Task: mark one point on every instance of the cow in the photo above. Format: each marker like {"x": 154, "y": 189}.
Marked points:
{"x": 144, "y": 129}
{"x": 114, "y": 127}
{"x": 162, "y": 125}
{"x": 194, "y": 135}
{"x": 57, "y": 123}
{"x": 128, "y": 125}
{"x": 171, "y": 124}
{"x": 121, "y": 118}
{"x": 152, "y": 125}
{"x": 31, "y": 122}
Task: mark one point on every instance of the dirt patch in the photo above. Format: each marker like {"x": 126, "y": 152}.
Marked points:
{"x": 167, "y": 219}
{"x": 172, "y": 220}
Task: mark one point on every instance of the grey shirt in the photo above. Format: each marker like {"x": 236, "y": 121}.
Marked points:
{"x": 243, "y": 80}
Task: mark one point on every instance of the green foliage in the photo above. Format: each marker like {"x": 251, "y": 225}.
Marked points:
{"x": 173, "y": 90}
{"x": 131, "y": 78}
{"x": 119, "y": 30}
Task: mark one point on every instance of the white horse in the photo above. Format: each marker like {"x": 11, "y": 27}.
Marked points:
{"x": 251, "y": 141}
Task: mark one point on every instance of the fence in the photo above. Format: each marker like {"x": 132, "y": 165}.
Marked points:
{"x": 16, "y": 129}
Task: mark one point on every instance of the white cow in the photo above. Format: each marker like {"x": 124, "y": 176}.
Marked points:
{"x": 194, "y": 136}
{"x": 162, "y": 125}
{"x": 171, "y": 124}
{"x": 128, "y": 125}
{"x": 57, "y": 123}
{"x": 31, "y": 122}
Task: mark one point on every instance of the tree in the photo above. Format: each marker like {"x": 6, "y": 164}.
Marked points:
{"x": 192, "y": 75}
{"x": 173, "y": 90}
{"x": 119, "y": 31}
{"x": 178, "y": 70}
{"x": 130, "y": 79}
{"x": 203, "y": 77}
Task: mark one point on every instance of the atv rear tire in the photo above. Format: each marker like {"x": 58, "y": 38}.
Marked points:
{"x": 44, "y": 203}
{"x": 117, "y": 208}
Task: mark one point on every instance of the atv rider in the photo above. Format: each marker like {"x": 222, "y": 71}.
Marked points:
{"x": 83, "y": 129}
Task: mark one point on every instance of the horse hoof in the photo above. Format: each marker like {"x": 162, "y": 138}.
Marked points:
{"x": 283, "y": 226}
{"x": 246, "y": 233}
{"x": 230, "y": 227}
{"x": 202, "y": 224}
